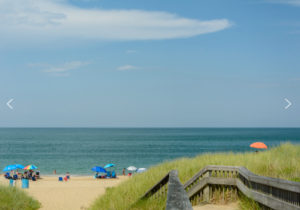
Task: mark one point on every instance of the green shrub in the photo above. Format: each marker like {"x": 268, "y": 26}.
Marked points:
{"x": 16, "y": 199}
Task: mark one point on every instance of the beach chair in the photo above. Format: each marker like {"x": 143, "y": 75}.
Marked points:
{"x": 66, "y": 178}
{"x": 33, "y": 178}
{"x": 37, "y": 174}
{"x": 60, "y": 179}
{"x": 108, "y": 174}
{"x": 7, "y": 176}
{"x": 113, "y": 174}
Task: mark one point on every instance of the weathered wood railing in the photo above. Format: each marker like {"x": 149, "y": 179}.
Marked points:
{"x": 269, "y": 192}
{"x": 159, "y": 189}
{"x": 177, "y": 197}
{"x": 171, "y": 187}
{"x": 203, "y": 185}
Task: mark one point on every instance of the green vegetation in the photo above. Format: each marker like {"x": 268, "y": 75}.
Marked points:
{"x": 16, "y": 199}
{"x": 246, "y": 203}
{"x": 280, "y": 162}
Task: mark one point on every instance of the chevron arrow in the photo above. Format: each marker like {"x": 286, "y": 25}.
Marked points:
{"x": 289, "y": 103}
{"x": 9, "y": 104}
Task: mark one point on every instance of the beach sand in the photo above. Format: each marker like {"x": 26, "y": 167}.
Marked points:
{"x": 77, "y": 193}
{"x": 231, "y": 206}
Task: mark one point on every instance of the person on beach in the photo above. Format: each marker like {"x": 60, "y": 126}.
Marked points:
{"x": 30, "y": 173}
{"x": 124, "y": 171}
{"x": 26, "y": 175}
{"x": 54, "y": 172}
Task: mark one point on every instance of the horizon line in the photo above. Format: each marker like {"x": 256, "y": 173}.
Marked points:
{"x": 148, "y": 127}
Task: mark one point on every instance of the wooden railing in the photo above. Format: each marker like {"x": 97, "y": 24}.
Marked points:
{"x": 204, "y": 185}
{"x": 171, "y": 187}
{"x": 159, "y": 189}
{"x": 177, "y": 197}
{"x": 269, "y": 192}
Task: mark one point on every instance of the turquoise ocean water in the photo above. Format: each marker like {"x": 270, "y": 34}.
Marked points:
{"x": 78, "y": 149}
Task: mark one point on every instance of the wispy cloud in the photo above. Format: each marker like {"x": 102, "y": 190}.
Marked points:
{"x": 290, "y": 2}
{"x": 126, "y": 68}
{"x": 68, "y": 66}
{"x": 32, "y": 19}
{"x": 60, "y": 70}
{"x": 131, "y": 51}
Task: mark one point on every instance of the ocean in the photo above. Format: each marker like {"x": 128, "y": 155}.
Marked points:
{"x": 77, "y": 150}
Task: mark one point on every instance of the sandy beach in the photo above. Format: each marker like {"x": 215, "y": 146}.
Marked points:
{"x": 77, "y": 193}
{"x": 230, "y": 206}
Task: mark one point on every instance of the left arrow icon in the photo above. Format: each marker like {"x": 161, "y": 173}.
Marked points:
{"x": 9, "y": 103}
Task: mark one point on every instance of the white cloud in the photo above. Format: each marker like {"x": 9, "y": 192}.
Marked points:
{"x": 59, "y": 70}
{"x": 126, "y": 68}
{"x": 66, "y": 67}
{"x": 44, "y": 19}
{"x": 290, "y": 2}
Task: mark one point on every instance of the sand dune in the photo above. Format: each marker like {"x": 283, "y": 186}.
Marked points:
{"x": 77, "y": 193}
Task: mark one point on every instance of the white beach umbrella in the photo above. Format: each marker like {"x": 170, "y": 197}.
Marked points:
{"x": 141, "y": 170}
{"x": 131, "y": 168}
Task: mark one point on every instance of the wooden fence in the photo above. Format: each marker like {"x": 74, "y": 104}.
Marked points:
{"x": 269, "y": 192}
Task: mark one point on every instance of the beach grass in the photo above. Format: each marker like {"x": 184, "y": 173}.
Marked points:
{"x": 278, "y": 162}
{"x": 16, "y": 199}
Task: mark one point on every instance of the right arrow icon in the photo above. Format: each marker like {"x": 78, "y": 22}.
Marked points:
{"x": 289, "y": 103}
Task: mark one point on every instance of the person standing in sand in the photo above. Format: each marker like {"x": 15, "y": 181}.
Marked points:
{"x": 68, "y": 175}
{"x": 124, "y": 172}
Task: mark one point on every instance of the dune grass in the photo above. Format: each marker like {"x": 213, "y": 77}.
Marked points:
{"x": 16, "y": 199}
{"x": 279, "y": 162}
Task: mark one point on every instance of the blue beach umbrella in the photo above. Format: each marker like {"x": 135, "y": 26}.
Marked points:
{"x": 98, "y": 169}
{"x": 141, "y": 170}
{"x": 10, "y": 167}
{"x": 109, "y": 165}
{"x": 19, "y": 166}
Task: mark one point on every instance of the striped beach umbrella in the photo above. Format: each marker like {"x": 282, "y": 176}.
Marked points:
{"x": 30, "y": 167}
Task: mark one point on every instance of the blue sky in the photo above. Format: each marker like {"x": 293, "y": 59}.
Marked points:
{"x": 136, "y": 63}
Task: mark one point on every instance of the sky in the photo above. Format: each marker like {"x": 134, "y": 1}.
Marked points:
{"x": 138, "y": 63}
